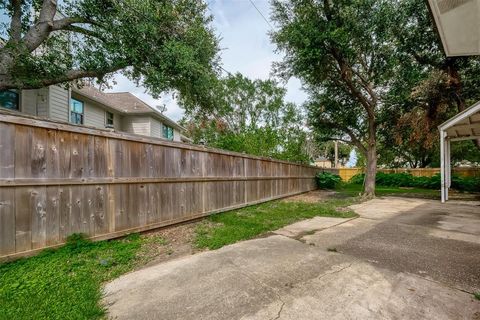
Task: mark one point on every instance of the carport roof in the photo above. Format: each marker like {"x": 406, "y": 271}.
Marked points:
{"x": 465, "y": 125}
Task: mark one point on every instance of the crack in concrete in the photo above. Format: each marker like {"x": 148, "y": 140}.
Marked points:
{"x": 275, "y": 290}
{"x": 271, "y": 289}
{"x": 279, "y": 313}
{"x": 336, "y": 271}
{"x": 299, "y": 237}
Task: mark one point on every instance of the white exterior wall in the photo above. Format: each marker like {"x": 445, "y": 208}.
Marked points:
{"x": 137, "y": 125}
{"x": 54, "y": 103}
{"x": 117, "y": 122}
{"x": 176, "y": 135}
{"x": 93, "y": 115}
{"x": 34, "y": 102}
{"x": 28, "y": 102}
{"x": 156, "y": 129}
{"x": 42, "y": 102}
{"x": 59, "y": 103}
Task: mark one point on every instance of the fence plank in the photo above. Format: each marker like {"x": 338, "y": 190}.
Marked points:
{"x": 23, "y": 220}
{"x": 7, "y": 221}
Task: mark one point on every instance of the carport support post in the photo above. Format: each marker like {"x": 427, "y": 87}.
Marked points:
{"x": 442, "y": 165}
{"x": 448, "y": 167}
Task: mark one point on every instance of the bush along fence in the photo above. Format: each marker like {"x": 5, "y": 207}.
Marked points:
{"x": 328, "y": 180}
{"x": 58, "y": 179}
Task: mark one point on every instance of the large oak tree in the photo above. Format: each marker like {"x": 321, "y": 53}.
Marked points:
{"x": 164, "y": 45}
{"x": 340, "y": 51}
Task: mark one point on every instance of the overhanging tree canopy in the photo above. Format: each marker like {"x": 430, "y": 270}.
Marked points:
{"x": 163, "y": 45}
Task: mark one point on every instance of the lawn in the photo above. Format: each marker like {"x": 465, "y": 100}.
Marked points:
{"x": 66, "y": 283}
{"x": 349, "y": 189}
{"x": 246, "y": 223}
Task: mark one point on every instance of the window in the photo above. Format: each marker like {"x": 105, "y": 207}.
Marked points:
{"x": 9, "y": 99}
{"x": 108, "y": 119}
{"x": 76, "y": 111}
{"x": 167, "y": 132}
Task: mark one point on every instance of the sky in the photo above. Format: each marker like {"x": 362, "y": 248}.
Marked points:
{"x": 245, "y": 48}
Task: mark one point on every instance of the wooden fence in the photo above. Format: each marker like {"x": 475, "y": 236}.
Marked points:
{"x": 347, "y": 173}
{"x": 57, "y": 179}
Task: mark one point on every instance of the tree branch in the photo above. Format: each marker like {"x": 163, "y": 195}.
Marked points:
{"x": 78, "y": 74}
{"x": 16, "y": 23}
{"x": 41, "y": 29}
{"x": 65, "y": 22}
{"x": 86, "y": 32}
{"x": 8, "y": 83}
{"x": 354, "y": 140}
{"x": 346, "y": 75}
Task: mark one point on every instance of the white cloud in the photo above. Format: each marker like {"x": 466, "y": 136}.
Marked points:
{"x": 246, "y": 48}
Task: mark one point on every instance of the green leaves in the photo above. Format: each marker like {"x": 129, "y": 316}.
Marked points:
{"x": 164, "y": 45}
{"x": 327, "y": 180}
{"x": 249, "y": 116}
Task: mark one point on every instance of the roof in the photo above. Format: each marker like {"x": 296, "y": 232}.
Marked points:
{"x": 465, "y": 125}
{"x": 458, "y": 24}
{"x": 124, "y": 102}
{"x": 322, "y": 159}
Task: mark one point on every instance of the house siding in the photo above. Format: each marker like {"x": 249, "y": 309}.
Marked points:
{"x": 156, "y": 128}
{"x": 176, "y": 135}
{"x": 59, "y": 102}
{"x": 54, "y": 103}
{"x": 137, "y": 125}
{"x": 42, "y": 102}
{"x": 94, "y": 116}
{"x": 29, "y": 102}
{"x": 34, "y": 102}
{"x": 117, "y": 122}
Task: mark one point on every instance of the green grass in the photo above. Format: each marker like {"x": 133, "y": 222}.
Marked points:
{"x": 66, "y": 283}
{"x": 477, "y": 295}
{"x": 349, "y": 189}
{"x": 246, "y": 223}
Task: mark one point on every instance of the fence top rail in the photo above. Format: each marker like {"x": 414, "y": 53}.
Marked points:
{"x": 13, "y": 117}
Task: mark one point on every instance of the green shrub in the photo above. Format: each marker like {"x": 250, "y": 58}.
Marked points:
{"x": 357, "y": 179}
{"x": 327, "y": 180}
{"x": 403, "y": 179}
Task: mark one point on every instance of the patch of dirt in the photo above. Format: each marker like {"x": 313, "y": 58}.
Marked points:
{"x": 343, "y": 209}
{"x": 169, "y": 243}
{"x": 312, "y": 196}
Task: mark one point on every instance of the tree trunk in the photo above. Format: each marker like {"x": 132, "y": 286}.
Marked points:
{"x": 369, "y": 190}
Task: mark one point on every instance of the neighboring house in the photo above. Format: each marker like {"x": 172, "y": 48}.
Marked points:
{"x": 323, "y": 162}
{"x": 119, "y": 111}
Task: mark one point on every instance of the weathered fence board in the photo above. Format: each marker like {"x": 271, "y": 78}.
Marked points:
{"x": 57, "y": 179}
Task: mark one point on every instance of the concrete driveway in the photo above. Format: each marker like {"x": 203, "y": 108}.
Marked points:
{"x": 402, "y": 259}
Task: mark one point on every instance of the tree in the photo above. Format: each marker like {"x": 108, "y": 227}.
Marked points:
{"x": 165, "y": 45}
{"x": 252, "y": 117}
{"x": 428, "y": 88}
{"x": 340, "y": 51}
